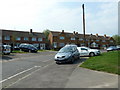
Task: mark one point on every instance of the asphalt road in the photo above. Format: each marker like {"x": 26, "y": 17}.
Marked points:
{"x": 40, "y": 71}
{"x": 19, "y": 67}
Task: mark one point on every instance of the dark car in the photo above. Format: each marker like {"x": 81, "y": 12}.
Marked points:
{"x": 112, "y": 48}
{"x": 67, "y": 54}
{"x": 28, "y": 48}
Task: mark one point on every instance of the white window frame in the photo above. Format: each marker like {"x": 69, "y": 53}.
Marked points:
{"x": 18, "y": 38}
{"x": 34, "y": 38}
{"x": 81, "y": 39}
{"x": 26, "y": 39}
{"x": 61, "y": 37}
{"x": 40, "y": 39}
{"x": 72, "y": 38}
{"x": 7, "y": 38}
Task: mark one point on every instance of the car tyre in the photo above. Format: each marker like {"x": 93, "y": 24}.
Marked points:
{"x": 58, "y": 63}
{"x": 72, "y": 60}
{"x": 29, "y": 51}
{"x": 78, "y": 57}
{"x": 92, "y": 54}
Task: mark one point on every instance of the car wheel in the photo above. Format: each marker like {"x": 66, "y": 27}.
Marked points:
{"x": 58, "y": 63}
{"x": 78, "y": 57}
{"x": 29, "y": 51}
{"x": 92, "y": 54}
{"x": 72, "y": 60}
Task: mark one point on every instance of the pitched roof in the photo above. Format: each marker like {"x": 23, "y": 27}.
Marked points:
{"x": 22, "y": 33}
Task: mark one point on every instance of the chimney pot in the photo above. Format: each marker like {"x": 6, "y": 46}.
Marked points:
{"x": 30, "y": 30}
{"x": 104, "y": 35}
{"x": 97, "y": 34}
{"x": 62, "y": 31}
{"x": 73, "y": 32}
{"x": 76, "y": 32}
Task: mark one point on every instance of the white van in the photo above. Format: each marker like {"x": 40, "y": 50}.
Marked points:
{"x": 6, "y": 49}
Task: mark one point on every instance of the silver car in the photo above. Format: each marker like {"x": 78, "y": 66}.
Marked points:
{"x": 67, "y": 54}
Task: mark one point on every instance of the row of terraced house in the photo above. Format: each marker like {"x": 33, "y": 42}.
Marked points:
{"x": 55, "y": 40}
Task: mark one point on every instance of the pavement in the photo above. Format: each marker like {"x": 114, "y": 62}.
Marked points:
{"x": 85, "y": 78}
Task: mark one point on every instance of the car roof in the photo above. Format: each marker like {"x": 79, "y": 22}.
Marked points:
{"x": 71, "y": 45}
{"x": 6, "y": 46}
{"x": 82, "y": 47}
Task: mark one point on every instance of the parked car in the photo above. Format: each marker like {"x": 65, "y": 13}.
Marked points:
{"x": 118, "y": 47}
{"x": 67, "y": 54}
{"x": 6, "y": 49}
{"x": 85, "y": 51}
{"x": 112, "y": 48}
{"x": 28, "y": 48}
{"x": 16, "y": 48}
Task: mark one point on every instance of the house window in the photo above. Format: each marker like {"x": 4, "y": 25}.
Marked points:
{"x": 39, "y": 39}
{"x": 55, "y": 44}
{"x": 81, "y": 39}
{"x": 97, "y": 40}
{"x": 103, "y": 40}
{"x": 18, "y": 38}
{"x": 33, "y": 39}
{"x": 72, "y": 38}
{"x": 62, "y": 37}
{"x": 62, "y": 44}
{"x": 7, "y": 38}
{"x": 103, "y": 45}
{"x": 111, "y": 40}
{"x": 26, "y": 38}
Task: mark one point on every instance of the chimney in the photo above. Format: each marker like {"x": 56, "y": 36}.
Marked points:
{"x": 97, "y": 34}
{"x": 30, "y": 30}
{"x": 104, "y": 35}
{"x": 73, "y": 32}
{"x": 62, "y": 31}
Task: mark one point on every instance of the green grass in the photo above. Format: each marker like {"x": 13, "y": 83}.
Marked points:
{"x": 18, "y": 51}
{"x": 107, "y": 62}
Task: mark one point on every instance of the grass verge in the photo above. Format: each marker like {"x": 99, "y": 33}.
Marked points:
{"x": 107, "y": 62}
{"x": 18, "y": 51}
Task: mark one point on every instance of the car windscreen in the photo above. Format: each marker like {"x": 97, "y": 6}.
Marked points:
{"x": 65, "y": 49}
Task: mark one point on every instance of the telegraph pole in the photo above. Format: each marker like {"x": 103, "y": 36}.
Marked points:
{"x": 83, "y": 23}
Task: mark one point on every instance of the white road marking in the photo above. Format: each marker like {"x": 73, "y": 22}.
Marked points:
{"x": 18, "y": 74}
{"x": 28, "y": 75}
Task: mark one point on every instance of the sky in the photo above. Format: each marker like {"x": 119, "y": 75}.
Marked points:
{"x": 57, "y": 15}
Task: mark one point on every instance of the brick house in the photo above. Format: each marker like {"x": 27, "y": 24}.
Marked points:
{"x": 59, "y": 39}
{"x": 14, "y": 38}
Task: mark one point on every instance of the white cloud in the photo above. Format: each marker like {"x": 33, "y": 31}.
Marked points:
{"x": 104, "y": 21}
{"x": 22, "y": 13}
{"x": 42, "y": 14}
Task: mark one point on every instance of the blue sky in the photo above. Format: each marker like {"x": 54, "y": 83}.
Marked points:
{"x": 101, "y": 17}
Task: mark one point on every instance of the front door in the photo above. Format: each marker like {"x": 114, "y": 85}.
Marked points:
{"x": 42, "y": 46}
